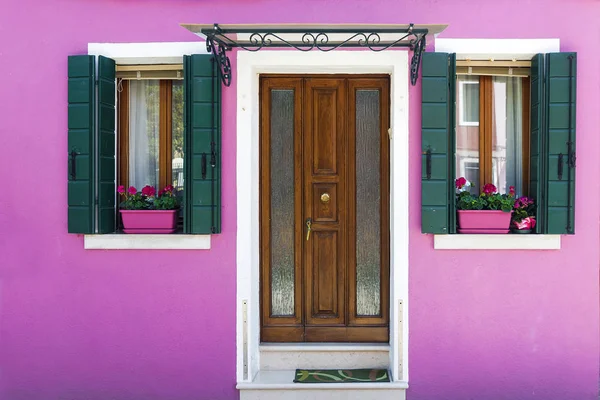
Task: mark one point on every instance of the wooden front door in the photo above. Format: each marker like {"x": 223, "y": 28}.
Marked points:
{"x": 324, "y": 208}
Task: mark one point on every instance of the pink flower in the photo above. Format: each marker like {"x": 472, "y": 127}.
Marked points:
{"x": 148, "y": 191}
{"x": 121, "y": 189}
{"x": 169, "y": 188}
{"x": 132, "y": 190}
{"x": 525, "y": 223}
{"x": 161, "y": 192}
{"x": 511, "y": 191}
{"x": 489, "y": 189}
{"x": 460, "y": 182}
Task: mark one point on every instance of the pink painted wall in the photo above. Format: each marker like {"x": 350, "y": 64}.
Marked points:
{"x": 78, "y": 324}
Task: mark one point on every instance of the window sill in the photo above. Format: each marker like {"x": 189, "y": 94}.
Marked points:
{"x": 496, "y": 242}
{"x": 146, "y": 242}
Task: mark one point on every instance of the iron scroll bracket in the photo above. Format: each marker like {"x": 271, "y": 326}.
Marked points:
{"x": 220, "y": 40}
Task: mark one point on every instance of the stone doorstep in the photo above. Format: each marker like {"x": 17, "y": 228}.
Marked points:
{"x": 274, "y": 385}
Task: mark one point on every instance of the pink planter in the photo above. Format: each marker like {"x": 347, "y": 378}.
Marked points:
{"x": 149, "y": 221}
{"x": 483, "y": 221}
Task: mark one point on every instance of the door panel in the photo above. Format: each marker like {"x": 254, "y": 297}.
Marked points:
{"x": 369, "y": 208}
{"x": 324, "y": 161}
{"x": 325, "y": 249}
{"x": 280, "y": 211}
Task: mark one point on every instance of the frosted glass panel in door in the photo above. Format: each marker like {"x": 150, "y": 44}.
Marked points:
{"x": 282, "y": 202}
{"x": 368, "y": 203}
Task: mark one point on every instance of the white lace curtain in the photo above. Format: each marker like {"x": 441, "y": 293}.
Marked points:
{"x": 507, "y": 142}
{"x": 144, "y": 109}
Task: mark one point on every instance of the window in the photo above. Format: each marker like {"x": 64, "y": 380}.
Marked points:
{"x": 524, "y": 136}
{"x": 493, "y": 131}
{"x": 152, "y": 151}
{"x": 150, "y": 133}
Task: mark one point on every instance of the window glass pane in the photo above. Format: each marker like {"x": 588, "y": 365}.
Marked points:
{"x": 467, "y": 130}
{"x": 144, "y": 110}
{"x": 368, "y": 203}
{"x": 507, "y": 133}
{"x": 282, "y": 202}
{"x": 470, "y": 101}
{"x": 177, "y": 134}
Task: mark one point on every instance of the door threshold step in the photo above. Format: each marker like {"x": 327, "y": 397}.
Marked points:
{"x": 284, "y": 379}
{"x": 279, "y": 385}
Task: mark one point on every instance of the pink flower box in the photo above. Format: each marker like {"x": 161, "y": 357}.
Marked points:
{"x": 149, "y": 221}
{"x": 483, "y": 221}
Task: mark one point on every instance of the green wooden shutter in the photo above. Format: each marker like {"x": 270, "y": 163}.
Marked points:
{"x": 560, "y": 97}
{"x": 106, "y": 145}
{"x": 537, "y": 140}
{"x": 202, "y": 143}
{"x": 81, "y": 185}
{"x": 438, "y": 83}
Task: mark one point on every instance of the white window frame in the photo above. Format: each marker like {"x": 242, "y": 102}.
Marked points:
{"x": 133, "y": 54}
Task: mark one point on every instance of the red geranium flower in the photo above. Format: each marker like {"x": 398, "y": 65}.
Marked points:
{"x": 460, "y": 182}
{"x": 511, "y": 191}
{"x": 132, "y": 190}
{"x": 148, "y": 191}
{"x": 489, "y": 189}
{"x": 121, "y": 189}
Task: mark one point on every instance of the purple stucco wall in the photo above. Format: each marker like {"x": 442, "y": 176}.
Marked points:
{"x": 127, "y": 325}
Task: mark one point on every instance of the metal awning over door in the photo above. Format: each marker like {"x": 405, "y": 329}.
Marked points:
{"x": 309, "y": 37}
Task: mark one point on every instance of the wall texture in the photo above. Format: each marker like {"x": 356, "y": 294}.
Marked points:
{"x": 127, "y": 325}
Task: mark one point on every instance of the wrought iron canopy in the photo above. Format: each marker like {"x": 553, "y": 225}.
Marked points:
{"x": 221, "y": 38}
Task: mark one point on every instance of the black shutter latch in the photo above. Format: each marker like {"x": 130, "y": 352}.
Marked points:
{"x": 560, "y": 166}
{"x": 428, "y": 163}
{"x": 203, "y": 166}
{"x": 72, "y": 156}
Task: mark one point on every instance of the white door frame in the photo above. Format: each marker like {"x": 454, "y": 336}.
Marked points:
{"x": 249, "y": 66}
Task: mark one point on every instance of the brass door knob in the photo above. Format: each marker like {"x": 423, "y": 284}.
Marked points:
{"x": 325, "y": 198}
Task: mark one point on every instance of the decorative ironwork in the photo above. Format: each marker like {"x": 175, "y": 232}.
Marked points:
{"x": 415, "y": 62}
{"x": 377, "y": 39}
{"x": 219, "y": 51}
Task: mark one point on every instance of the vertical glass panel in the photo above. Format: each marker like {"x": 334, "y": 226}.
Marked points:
{"x": 144, "y": 111}
{"x": 282, "y": 202}
{"x": 467, "y": 130}
{"x": 507, "y": 133}
{"x": 368, "y": 203}
{"x": 177, "y": 135}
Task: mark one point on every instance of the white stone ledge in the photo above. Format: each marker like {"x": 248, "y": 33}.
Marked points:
{"x": 496, "y": 242}
{"x": 146, "y": 242}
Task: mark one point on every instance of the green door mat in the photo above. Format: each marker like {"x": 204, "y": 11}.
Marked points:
{"x": 341, "y": 375}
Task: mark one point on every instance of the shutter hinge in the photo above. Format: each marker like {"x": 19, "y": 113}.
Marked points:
{"x": 571, "y": 157}
{"x": 213, "y": 155}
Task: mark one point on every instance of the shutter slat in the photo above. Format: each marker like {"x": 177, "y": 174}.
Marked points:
{"x": 80, "y": 140}
{"x": 202, "y": 145}
{"x": 106, "y": 146}
{"x": 560, "y": 96}
{"x": 437, "y": 138}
